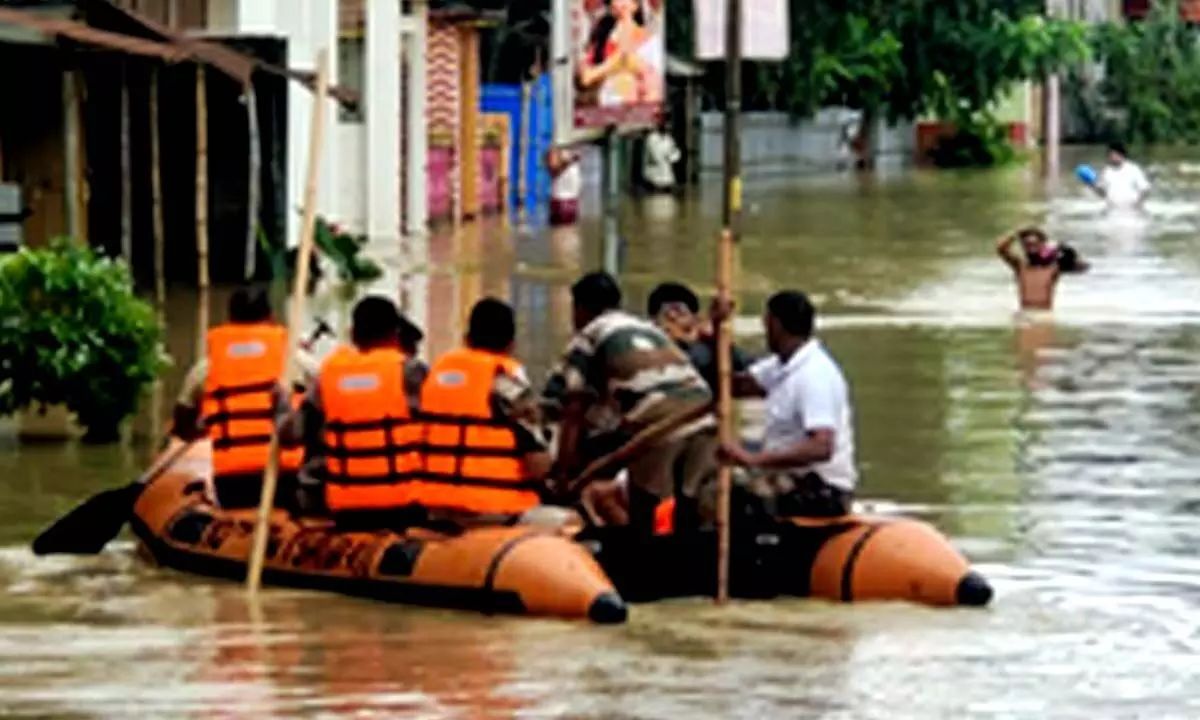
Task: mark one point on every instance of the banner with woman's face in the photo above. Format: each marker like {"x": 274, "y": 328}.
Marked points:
{"x": 619, "y": 56}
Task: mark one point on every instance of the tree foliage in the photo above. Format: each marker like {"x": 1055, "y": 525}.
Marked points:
{"x": 1152, "y": 77}
{"x": 907, "y": 58}
{"x": 897, "y": 59}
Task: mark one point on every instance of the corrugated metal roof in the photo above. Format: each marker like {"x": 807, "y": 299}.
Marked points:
{"x": 170, "y": 46}
{"x": 59, "y": 27}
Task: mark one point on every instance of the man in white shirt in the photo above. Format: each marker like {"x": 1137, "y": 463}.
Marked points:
{"x": 1122, "y": 183}
{"x": 806, "y": 466}
{"x": 658, "y": 161}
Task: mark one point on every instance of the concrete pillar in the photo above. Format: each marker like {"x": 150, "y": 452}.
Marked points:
{"x": 252, "y": 16}
{"x": 309, "y": 27}
{"x": 383, "y": 124}
{"x": 416, "y": 43}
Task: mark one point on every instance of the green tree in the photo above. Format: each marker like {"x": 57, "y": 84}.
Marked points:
{"x": 1152, "y": 76}
{"x": 901, "y": 59}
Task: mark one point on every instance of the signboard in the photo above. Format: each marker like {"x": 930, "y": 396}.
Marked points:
{"x": 610, "y": 65}
{"x": 765, "y": 26}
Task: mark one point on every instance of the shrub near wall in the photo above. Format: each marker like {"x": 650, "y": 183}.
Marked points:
{"x": 73, "y": 333}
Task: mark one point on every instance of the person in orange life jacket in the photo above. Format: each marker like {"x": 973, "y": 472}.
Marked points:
{"x": 485, "y": 457}
{"x": 233, "y": 395}
{"x": 357, "y": 421}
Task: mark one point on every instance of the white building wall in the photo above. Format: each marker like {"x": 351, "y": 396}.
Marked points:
{"x": 361, "y": 168}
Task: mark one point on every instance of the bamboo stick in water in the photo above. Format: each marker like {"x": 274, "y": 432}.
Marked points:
{"x": 725, "y": 264}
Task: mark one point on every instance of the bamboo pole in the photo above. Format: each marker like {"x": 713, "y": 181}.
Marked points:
{"x": 126, "y": 171}
{"x": 725, "y": 263}
{"x": 523, "y": 151}
{"x": 160, "y": 280}
{"x": 295, "y": 319}
{"x": 201, "y": 210}
{"x": 253, "y": 189}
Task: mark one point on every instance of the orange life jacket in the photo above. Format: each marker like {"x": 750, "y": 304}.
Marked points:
{"x": 372, "y": 443}
{"x": 664, "y": 517}
{"x": 471, "y": 458}
{"x": 244, "y": 365}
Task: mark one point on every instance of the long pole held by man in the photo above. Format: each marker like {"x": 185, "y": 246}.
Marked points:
{"x": 295, "y": 318}
{"x": 725, "y": 264}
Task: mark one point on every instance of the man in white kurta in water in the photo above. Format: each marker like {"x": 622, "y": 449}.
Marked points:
{"x": 806, "y": 466}
{"x": 1122, "y": 183}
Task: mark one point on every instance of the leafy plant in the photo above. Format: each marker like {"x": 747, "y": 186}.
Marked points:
{"x": 72, "y": 332}
{"x": 982, "y": 141}
{"x": 330, "y": 242}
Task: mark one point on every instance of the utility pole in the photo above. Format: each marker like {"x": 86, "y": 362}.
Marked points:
{"x": 611, "y": 180}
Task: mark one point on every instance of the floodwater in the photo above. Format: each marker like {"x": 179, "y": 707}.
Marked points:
{"x": 1058, "y": 452}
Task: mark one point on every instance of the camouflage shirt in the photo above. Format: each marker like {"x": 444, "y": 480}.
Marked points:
{"x": 633, "y": 373}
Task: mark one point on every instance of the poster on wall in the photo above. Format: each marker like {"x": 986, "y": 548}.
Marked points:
{"x": 618, "y": 60}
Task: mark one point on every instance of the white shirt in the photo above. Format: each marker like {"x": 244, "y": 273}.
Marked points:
{"x": 809, "y": 393}
{"x": 568, "y": 184}
{"x": 661, "y": 154}
{"x": 1123, "y": 184}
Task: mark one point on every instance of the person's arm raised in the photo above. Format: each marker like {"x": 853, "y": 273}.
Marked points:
{"x": 1004, "y": 249}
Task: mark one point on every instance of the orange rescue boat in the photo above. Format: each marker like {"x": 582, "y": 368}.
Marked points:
{"x": 853, "y": 558}
{"x": 523, "y": 570}
{"x": 544, "y": 571}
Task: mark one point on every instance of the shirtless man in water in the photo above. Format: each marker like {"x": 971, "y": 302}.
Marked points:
{"x": 1037, "y": 264}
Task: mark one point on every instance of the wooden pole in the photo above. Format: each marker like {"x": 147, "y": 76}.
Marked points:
{"x": 295, "y": 319}
{"x": 725, "y": 263}
{"x": 253, "y": 189}
{"x": 201, "y": 210}
{"x": 160, "y": 280}
{"x": 523, "y": 150}
{"x": 126, "y": 171}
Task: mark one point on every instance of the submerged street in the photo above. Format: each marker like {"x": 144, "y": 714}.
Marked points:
{"x": 1059, "y": 452}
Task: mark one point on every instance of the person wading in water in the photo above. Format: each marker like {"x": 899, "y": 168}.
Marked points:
{"x": 1037, "y": 264}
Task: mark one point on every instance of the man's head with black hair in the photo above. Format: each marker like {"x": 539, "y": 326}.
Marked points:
{"x": 376, "y": 323}
{"x": 492, "y": 327}
{"x": 669, "y": 293}
{"x": 675, "y": 309}
{"x": 593, "y": 295}
{"x": 410, "y": 336}
{"x": 1117, "y": 153}
{"x": 789, "y": 321}
{"x": 249, "y": 304}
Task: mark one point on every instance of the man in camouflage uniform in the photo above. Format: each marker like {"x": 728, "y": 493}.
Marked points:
{"x": 621, "y": 374}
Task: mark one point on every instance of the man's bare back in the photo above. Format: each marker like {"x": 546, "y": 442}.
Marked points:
{"x": 1037, "y": 264}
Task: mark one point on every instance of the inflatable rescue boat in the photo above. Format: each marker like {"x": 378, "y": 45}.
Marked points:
{"x": 545, "y": 571}
{"x": 520, "y": 570}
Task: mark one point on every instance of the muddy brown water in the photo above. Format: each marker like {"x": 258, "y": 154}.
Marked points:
{"x": 1059, "y": 453}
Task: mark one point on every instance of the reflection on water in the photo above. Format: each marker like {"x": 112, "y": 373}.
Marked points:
{"x": 1057, "y": 451}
